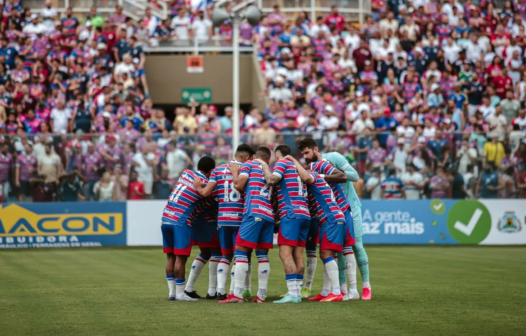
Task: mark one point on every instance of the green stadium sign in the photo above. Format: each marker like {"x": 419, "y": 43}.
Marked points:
{"x": 200, "y": 95}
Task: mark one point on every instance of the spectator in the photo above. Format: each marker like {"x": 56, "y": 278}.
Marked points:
{"x": 26, "y": 166}
{"x": 60, "y": 117}
{"x": 413, "y": 183}
{"x": 50, "y": 168}
{"x": 392, "y": 188}
{"x": 136, "y": 190}
{"x": 176, "y": 161}
{"x": 493, "y": 150}
{"x": 144, "y": 163}
{"x": 104, "y": 189}
{"x": 458, "y": 189}
{"x": 376, "y": 155}
{"x": 120, "y": 183}
{"x": 490, "y": 181}
{"x": 70, "y": 187}
{"x": 265, "y": 135}
{"x": 164, "y": 185}
{"x": 439, "y": 184}
{"x": 5, "y": 168}
{"x": 398, "y": 157}
{"x": 372, "y": 185}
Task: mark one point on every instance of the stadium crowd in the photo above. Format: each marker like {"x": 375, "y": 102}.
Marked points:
{"x": 427, "y": 96}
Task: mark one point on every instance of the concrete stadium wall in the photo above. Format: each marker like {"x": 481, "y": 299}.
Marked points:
{"x": 167, "y": 75}
{"x": 137, "y": 223}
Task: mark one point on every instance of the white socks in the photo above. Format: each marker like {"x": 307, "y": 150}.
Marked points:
{"x": 291, "y": 284}
{"x": 179, "y": 286}
{"x": 312, "y": 261}
{"x": 232, "y": 281}
{"x": 263, "y": 273}
{"x": 366, "y": 284}
{"x": 222, "y": 274}
{"x": 241, "y": 272}
{"x": 212, "y": 274}
{"x": 326, "y": 289}
{"x": 351, "y": 269}
{"x": 248, "y": 279}
{"x": 171, "y": 285}
{"x": 195, "y": 272}
{"x": 333, "y": 273}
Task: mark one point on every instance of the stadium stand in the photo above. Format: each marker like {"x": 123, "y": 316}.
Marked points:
{"x": 433, "y": 90}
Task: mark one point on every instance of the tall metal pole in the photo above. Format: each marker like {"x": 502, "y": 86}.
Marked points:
{"x": 235, "y": 82}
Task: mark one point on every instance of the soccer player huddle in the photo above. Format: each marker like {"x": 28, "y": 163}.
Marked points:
{"x": 233, "y": 209}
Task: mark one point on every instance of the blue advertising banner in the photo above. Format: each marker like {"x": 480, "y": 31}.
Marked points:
{"x": 406, "y": 222}
{"x": 40, "y": 225}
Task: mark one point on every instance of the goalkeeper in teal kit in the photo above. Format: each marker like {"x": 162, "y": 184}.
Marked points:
{"x": 310, "y": 152}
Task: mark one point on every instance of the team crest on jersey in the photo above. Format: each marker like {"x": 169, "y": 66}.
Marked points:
{"x": 509, "y": 223}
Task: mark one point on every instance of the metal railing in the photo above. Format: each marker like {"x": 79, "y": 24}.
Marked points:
{"x": 132, "y": 8}
{"x": 352, "y": 10}
{"x": 196, "y": 46}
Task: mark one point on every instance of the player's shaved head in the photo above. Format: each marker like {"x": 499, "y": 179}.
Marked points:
{"x": 282, "y": 151}
{"x": 263, "y": 153}
{"x": 206, "y": 164}
{"x": 244, "y": 152}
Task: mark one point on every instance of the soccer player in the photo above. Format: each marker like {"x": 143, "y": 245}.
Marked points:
{"x": 204, "y": 234}
{"x": 332, "y": 230}
{"x": 230, "y": 202}
{"x": 294, "y": 219}
{"x": 311, "y": 153}
{"x": 257, "y": 227}
{"x": 175, "y": 227}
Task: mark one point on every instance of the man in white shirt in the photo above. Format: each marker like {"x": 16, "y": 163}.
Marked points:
{"x": 361, "y": 123}
{"x": 398, "y": 157}
{"x": 34, "y": 27}
{"x": 279, "y": 92}
{"x": 176, "y": 160}
{"x": 473, "y": 49}
{"x": 49, "y": 15}
{"x": 388, "y": 23}
{"x": 201, "y": 27}
{"x": 497, "y": 123}
{"x": 143, "y": 163}
{"x": 486, "y": 108}
{"x": 181, "y": 23}
{"x": 373, "y": 185}
{"x": 60, "y": 117}
{"x": 406, "y": 131}
{"x": 126, "y": 66}
{"x": 319, "y": 26}
{"x": 413, "y": 183}
{"x": 451, "y": 50}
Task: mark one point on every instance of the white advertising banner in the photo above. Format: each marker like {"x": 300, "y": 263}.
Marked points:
{"x": 144, "y": 226}
{"x": 507, "y": 222}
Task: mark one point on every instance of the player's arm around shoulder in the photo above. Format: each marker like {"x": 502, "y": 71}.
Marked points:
{"x": 240, "y": 174}
{"x": 302, "y": 172}
{"x": 271, "y": 178}
{"x": 341, "y": 163}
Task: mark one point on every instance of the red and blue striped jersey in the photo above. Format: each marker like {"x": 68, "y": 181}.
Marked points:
{"x": 325, "y": 168}
{"x": 325, "y": 202}
{"x": 27, "y": 164}
{"x": 183, "y": 199}
{"x": 257, "y": 193}
{"x": 230, "y": 201}
{"x": 392, "y": 187}
{"x": 292, "y": 193}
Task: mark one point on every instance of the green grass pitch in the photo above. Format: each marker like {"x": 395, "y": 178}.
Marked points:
{"x": 123, "y": 291}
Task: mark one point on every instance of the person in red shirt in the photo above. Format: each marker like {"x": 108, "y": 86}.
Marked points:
{"x": 335, "y": 18}
{"x": 136, "y": 188}
{"x": 502, "y": 83}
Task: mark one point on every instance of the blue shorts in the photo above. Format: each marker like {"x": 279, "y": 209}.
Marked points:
{"x": 293, "y": 231}
{"x": 204, "y": 234}
{"x": 349, "y": 229}
{"x": 332, "y": 236}
{"x": 313, "y": 237}
{"x": 177, "y": 239}
{"x": 227, "y": 238}
{"x": 255, "y": 232}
